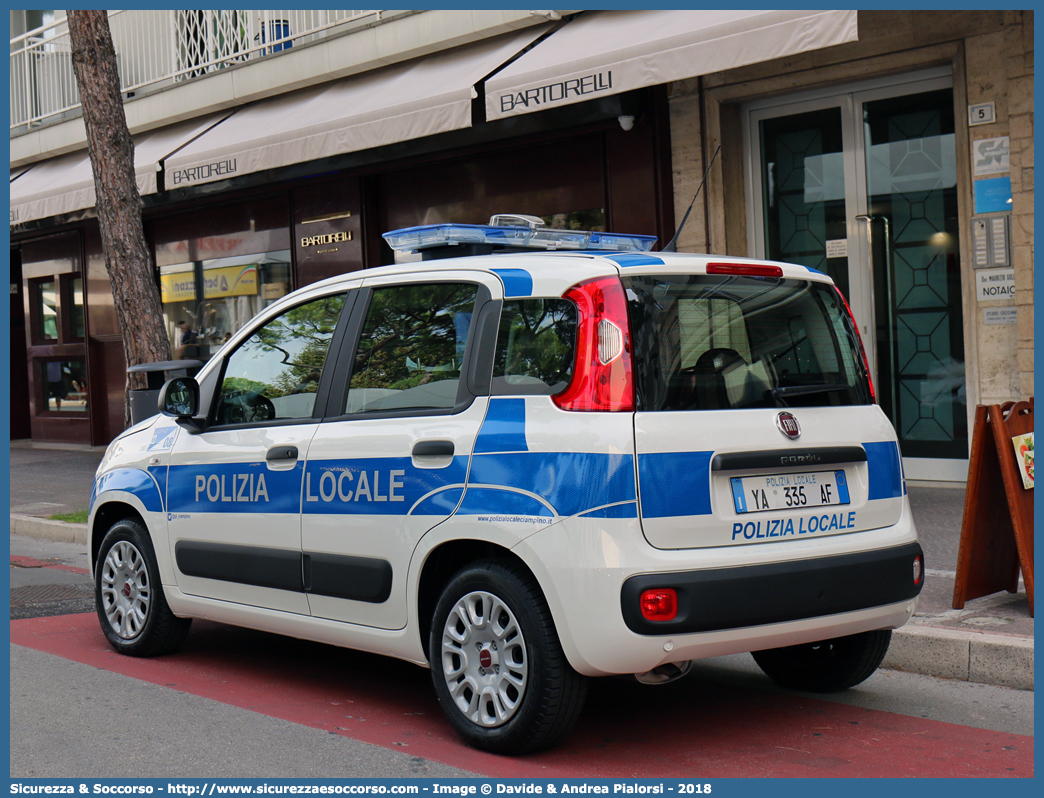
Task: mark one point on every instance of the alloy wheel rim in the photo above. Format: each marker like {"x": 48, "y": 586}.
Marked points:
{"x": 484, "y": 659}
{"x": 126, "y": 594}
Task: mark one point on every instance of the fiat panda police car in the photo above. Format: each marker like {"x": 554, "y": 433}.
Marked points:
{"x": 522, "y": 469}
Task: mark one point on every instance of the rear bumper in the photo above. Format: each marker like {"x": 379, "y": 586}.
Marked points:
{"x": 583, "y": 565}
{"x": 753, "y": 595}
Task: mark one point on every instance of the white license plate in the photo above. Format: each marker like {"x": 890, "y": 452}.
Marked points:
{"x": 789, "y": 491}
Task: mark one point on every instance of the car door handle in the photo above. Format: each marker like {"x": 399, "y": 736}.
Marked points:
{"x": 433, "y": 449}
{"x": 279, "y": 453}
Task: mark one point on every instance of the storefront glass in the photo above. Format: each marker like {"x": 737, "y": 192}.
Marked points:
{"x": 234, "y": 290}
{"x": 218, "y": 267}
{"x": 64, "y": 385}
{"x": 47, "y": 310}
{"x": 76, "y": 311}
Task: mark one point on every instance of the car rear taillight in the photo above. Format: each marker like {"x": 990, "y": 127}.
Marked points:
{"x": 602, "y": 373}
{"x": 862, "y": 350}
{"x": 745, "y": 269}
{"x": 659, "y": 604}
{"x": 918, "y": 569}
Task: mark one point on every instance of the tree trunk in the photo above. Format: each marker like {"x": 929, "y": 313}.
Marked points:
{"x": 134, "y": 290}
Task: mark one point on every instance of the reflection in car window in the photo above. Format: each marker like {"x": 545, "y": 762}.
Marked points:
{"x": 535, "y": 347}
{"x": 275, "y": 373}
{"x": 707, "y": 343}
{"x": 411, "y": 348}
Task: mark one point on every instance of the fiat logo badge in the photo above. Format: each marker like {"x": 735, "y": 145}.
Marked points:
{"x": 788, "y": 425}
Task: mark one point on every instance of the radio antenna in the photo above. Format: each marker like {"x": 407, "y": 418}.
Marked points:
{"x": 672, "y": 245}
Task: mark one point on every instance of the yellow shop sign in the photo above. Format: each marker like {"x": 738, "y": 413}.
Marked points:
{"x": 219, "y": 282}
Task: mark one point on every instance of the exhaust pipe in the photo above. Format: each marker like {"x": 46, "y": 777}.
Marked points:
{"x": 665, "y": 674}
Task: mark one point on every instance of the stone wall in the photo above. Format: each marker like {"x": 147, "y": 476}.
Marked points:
{"x": 687, "y": 164}
{"x": 999, "y": 68}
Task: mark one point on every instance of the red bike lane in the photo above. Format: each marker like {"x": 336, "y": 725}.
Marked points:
{"x": 691, "y": 729}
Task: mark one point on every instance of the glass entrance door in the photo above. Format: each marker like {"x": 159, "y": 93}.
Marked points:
{"x": 862, "y": 185}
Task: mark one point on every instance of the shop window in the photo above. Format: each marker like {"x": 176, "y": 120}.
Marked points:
{"x": 591, "y": 219}
{"x": 205, "y": 302}
{"x": 58, "y": 311}
{"x": 64, "y": 385}
{"x": 75, "y": 295}
{"x": 46, "y": 294}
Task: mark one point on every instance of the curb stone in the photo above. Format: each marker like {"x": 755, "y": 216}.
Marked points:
{"x": 46, "y": 529}
{"x": 945, "y": 653}
{"x": 968, "y": 656}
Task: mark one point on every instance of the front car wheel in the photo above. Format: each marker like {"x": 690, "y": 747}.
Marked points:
{"x": 131, "y": 606}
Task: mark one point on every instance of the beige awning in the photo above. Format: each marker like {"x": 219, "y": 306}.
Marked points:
{"x": 406, "y": 101}
{"x": 601, "y": 53}
{"x": 66, "y": 183}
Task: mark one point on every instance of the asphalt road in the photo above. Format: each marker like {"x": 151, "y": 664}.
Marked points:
{"x": 242, "y": 704}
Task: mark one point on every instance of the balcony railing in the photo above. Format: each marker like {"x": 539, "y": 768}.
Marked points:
{"x": 157, "y": 48}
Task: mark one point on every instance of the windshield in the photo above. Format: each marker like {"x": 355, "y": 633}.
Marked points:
{"x": 716, "y": 342}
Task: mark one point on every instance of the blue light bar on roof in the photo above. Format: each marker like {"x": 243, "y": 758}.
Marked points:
{"x": 532, "y": 237}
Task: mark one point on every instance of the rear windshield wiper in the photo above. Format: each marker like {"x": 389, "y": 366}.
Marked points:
{"x": 801, "y": 390}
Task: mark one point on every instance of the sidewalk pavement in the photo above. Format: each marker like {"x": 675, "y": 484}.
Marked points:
{"x": 990, "y": 640}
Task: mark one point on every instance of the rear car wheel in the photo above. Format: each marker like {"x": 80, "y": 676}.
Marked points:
{"x": 131, "y": 606}
{"x": 497, "y": 664}
{"x": 828, "y": 666}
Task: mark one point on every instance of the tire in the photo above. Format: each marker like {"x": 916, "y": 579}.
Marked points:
{"x": 131, "y": 606}
{"x": 503, "y": 682}
{"x": 828, "y": 666}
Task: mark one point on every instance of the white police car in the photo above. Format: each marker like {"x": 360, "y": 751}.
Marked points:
{"x": 522, "y": 470}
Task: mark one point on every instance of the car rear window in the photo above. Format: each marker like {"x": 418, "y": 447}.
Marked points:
{"x": 705, "y": 342}
{"x": 535, "y": 347}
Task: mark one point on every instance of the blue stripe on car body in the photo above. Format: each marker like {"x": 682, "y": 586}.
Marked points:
{"x": 885, "y": 470}
{"x": 381, "y": 486}
{"x": 130, "y": 480}
{"x": 625, "y": 510}
{"x": 675, "y": 484}
{"x": 504, "y": 428}
{"x": 442, "y": 502}
{"x": 634, "y": 259}
{"x": 517, "y": 282}
{"x": 571, "y": 482}
{"x": 234, "y": 488}
{"x": 499, "y": 501}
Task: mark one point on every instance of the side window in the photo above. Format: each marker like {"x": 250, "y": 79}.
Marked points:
{"x": 411, "y": 348}
{"x": 535, "y": 347}
{"x": 275, "y": 373}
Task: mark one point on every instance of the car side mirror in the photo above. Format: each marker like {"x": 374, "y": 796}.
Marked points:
{"x": 179, "y": 399}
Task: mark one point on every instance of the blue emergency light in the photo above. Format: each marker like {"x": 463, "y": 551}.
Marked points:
{"x": 508, "y": 233}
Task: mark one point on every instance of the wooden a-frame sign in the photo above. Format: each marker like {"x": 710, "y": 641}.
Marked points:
{"x": 997, "y": 530}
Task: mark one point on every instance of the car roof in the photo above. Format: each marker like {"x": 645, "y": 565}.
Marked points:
{"x": 567, "y": 265}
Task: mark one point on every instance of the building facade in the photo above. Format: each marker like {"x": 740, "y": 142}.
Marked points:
{"x": 892, "y": 150}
